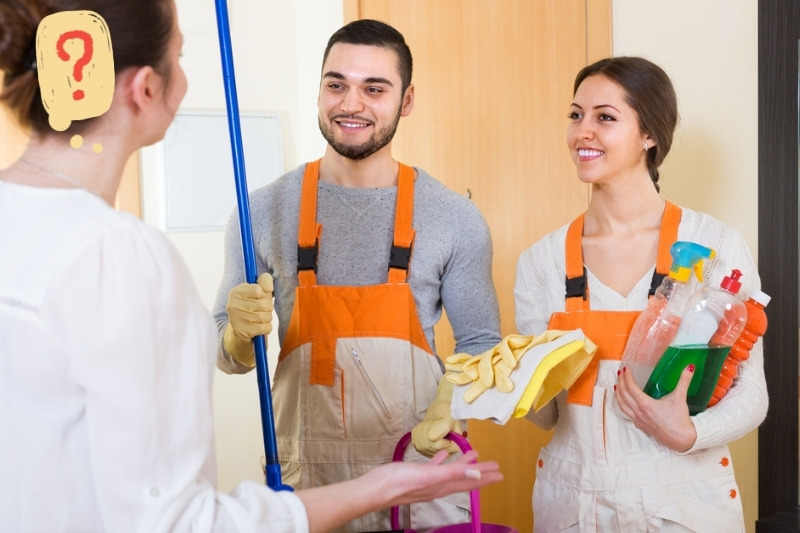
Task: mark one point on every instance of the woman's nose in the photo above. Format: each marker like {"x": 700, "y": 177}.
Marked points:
{"x": 584, "y": 130}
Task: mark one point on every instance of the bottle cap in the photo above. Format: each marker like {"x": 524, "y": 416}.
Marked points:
{"x": 760, "y": 297}
{"x": 731, "y": 283}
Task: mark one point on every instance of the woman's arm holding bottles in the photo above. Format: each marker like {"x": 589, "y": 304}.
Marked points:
{"x": 744, "y": 406}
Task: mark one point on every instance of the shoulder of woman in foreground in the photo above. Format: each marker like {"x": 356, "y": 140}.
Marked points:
{"x": 118, "y": 242}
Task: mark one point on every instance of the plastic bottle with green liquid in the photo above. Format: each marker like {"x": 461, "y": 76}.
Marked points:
{"x": 711, "y": 324}
{"x": 655, "y": 328}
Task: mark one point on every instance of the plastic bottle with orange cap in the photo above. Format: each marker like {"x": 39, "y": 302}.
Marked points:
{"x": 754, "y": 328}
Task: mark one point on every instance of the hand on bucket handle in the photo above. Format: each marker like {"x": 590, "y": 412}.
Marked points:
{"x": 430, "y": 435}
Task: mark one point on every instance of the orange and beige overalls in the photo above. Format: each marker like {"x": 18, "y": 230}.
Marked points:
{"x": 355, "y": 370}
{"x": 599, "y": 473}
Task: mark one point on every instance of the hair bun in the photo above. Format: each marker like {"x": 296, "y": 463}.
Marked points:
{"x": 17, "y": 37}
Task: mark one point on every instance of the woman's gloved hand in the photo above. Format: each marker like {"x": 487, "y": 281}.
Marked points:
{"x": 428, "y": 437}
{"x": 249, "y": 315}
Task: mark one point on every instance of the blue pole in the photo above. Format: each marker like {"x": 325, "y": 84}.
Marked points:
{"x": 273, "y": 467}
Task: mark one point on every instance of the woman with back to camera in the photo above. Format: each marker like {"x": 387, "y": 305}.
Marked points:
{"x": 106, "y": 350}
{"x": 660, "y": 469}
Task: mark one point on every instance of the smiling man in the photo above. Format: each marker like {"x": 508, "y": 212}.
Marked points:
{"x": 364, "y": 253}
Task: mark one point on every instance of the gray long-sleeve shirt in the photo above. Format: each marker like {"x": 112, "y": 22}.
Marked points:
{"x": 451, "y": 262}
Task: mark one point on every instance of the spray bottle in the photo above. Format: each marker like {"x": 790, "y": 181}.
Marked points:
{"x": 754, "y": 327}
{"x": 711, "y": 324}
{"x": 655, "y": 328}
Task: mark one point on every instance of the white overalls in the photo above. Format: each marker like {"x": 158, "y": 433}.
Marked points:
{"x": 355, "y": 370}
{"x": 599, "y": 473}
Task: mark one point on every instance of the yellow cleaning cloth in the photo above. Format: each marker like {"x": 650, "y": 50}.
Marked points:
{"x": 501, "y": 383}
{"x": 557, "y": 372}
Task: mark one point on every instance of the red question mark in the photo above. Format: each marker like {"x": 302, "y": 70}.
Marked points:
{"x": 88, "y": 50}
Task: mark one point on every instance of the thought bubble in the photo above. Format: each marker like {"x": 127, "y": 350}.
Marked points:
{"x": 75, "y": 63}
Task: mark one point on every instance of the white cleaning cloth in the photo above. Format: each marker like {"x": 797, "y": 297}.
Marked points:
{"x": 545, "y": 365}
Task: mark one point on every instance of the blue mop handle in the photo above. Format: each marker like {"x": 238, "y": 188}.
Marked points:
{"x": 273, "y": 467}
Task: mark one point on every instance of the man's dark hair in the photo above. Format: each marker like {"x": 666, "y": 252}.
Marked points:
{"x": 375, "y": 33}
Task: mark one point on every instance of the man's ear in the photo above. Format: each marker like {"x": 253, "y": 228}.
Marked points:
{"x": 144, "y": 84}
{"x": 408, "y": 101}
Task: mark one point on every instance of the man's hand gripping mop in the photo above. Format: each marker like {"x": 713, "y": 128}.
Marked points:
{"x": 501, "y": 383}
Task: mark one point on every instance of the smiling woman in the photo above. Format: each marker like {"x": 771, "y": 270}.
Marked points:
{"x": 631, "y": 467}
{"x": 635, "y": 110}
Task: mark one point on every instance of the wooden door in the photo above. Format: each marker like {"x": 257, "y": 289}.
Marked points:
{"x": 493, "y": 86}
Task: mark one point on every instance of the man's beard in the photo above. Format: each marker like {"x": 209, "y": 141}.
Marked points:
{"x": 360, "y": 151}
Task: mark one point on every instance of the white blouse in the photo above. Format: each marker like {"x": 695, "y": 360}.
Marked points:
{"x": 106, "y": 365}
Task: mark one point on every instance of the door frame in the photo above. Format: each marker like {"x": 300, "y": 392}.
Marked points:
{"x": 778, "y": 34}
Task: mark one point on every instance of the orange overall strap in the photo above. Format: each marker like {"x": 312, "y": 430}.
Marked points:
{"x": 400, "y": 257}
{"x": 669, "y": 234}
{"x": 308, "y": 231}
{"x": 577, "y": 296}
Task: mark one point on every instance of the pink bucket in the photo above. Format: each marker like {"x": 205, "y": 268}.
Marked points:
{"x": 475, "y": 526}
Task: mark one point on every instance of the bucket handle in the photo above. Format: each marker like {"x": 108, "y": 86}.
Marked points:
{"x": 474, "y": 498}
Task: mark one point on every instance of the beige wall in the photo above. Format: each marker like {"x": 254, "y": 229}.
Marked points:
{"x": 709, "y": 49}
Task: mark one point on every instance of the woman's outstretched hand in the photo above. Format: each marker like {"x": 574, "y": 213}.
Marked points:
{"x": 667, "y": 419}
{"x": 394, "y": 484}
{"x": 422, "y": 482}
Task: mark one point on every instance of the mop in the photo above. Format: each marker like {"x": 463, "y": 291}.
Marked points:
{"x": 273, "y": 467}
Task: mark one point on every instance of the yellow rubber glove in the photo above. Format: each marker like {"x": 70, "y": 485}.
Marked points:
{"x": 249, "y": 315}
{"x": 491, "y": 368}
{"x": 428, "y": 437}
{"x": 555, "y": 371}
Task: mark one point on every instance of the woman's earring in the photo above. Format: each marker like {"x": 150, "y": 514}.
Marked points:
{"x": 646, "y": 147}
